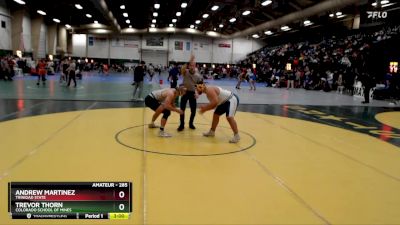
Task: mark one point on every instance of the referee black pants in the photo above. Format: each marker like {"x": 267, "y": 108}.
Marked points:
{"x": 189, "y": 96}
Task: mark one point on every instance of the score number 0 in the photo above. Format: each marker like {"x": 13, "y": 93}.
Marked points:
{"x": 121, "y": 195}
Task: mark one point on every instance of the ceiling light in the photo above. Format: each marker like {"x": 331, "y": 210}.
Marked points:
{"x": 174, "y": 20}
{"x": 212, "y": 33}
{"x": 255, "y": 36}
{"x": 125, "y": 14}
{"x": 56, "y": 20}
{"x": 67, "y": 26}
{"x": 285, "y": 28}
{"x": 197, "y": 22}
{"x": 154, "y": 21}
{"x": 41, "y": 12}
{"x": 128, "y": 21}
{"x": 20, "y": 2}
{"x": 171, "y": 25}
{"x": 386, "y": 5}
{"x": 205, "y": 15}
{"x": 155, "y": 14}
{"x": 184, "y": 5}
{"x": 101, "y": 31}
{"x": 232, "y": 20}
{"x": 339, "y": 13}
{"x": 245, "y": 13}
{"x": 221, "y": 26}
{"x": 341, "y": 16}
{"x": 96, "y": 22}
{"x": 215, "y": 29}
{"x": 331, "y": 15}
{"x": 307, "y": 23}
{"x": 265, "y": 3}
{"x": 130, "y": 26}
{"x": 178, "y": 14}
{"x": 78, "y": 6}
{"x": 192, "y": 26}
{"x": 156, "y": 6}
{"x": 214, "y": 8}
{"x": 152, "y": 25}
{"x": 88, "y": 16}
{"x": 122, "y": 7}
{"x": 152, "y": 29}
{"x": 268, "y": 32}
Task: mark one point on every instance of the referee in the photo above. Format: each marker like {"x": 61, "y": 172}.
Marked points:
{"x": 190, "y": 77}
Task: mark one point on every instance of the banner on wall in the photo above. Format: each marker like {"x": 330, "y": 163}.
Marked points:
{"x": 125, "y": 42}
{"x": 131, "y": 43}
{"x": 187, "y": 46}
{"x": 96, "y": 41}
{"x": 200, "y": 46}
{"x": 155, "y": 41}
{"x": 179, "y": 45}
{"x": 224, "y": 45}
{"x": 117, "y": 42}
{"x": 91, "y": 41}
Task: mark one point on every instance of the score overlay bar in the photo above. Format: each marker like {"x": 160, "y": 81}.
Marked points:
{"x": 70, "y": 200}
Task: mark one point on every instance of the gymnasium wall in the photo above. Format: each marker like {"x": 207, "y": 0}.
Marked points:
{"x": 125, "y": 47}
{"x": 5, "y": 32}
{"x": 43, "y": 42}
{"x": 23, "y": 32}
{"x": 27, "y": 33}
{"x": 98, "y": 46}
{"x": 79, "y": 44}
{"x": 32, "y": 35}
{"x": 177, "y": 47}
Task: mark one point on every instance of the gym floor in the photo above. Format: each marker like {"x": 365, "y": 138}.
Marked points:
{"x": 305, "y": 157}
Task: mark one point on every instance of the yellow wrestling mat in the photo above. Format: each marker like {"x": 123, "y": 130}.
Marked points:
{"x": 389, "y": 118}
{"x": 283, "y": 171}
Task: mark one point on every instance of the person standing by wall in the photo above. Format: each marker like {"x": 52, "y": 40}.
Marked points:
{"x": 41, "y": 66}
{"x": 71, "y": 73}
{"x": 151, "y": 71}
{"x": 368, "y": 82}
{"x": 173, "y": 79}
{"x": 64, "y": 74}
{"x": 173, "y": 76}
{"x": 138, "y": 77}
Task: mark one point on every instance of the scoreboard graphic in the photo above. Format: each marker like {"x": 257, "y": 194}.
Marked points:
{"x": 70, "y": 200}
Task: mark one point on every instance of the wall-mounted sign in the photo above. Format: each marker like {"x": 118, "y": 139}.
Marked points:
{"x": 179, "y": 45}
{"x": 224, "y": 45}
{"x": 155, "y": 41}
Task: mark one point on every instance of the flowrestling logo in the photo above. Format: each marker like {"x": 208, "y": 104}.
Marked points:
{"x": 377, "y": 14}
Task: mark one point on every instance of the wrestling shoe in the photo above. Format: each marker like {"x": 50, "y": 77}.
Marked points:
{"x": 210, "y": 133}
{"x": 164, "y": 134}
{"x": 152, "y": 125}
{"x": 235, "y": 139}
